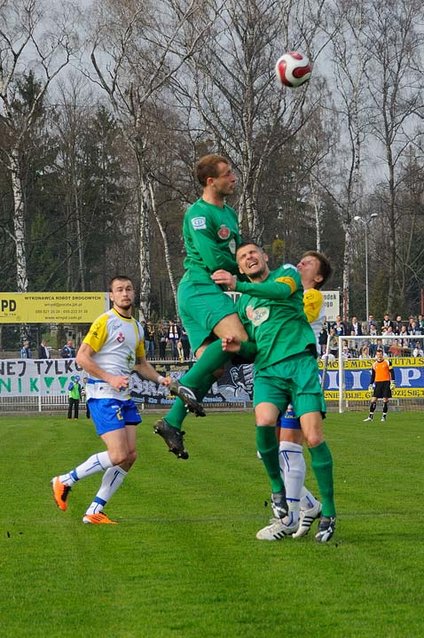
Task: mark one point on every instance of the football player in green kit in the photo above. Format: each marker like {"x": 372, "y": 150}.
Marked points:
{"x": 272, "y": 310}
{"x": 211, "y": 237}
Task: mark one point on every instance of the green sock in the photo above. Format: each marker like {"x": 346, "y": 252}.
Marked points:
{"x": 212, "y": 359}
{"x": 267, "y": 446}
{"x": 322, "y": 465}
{"x": 200, "y": 377}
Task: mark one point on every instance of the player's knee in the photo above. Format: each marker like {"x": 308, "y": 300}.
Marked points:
{"x": 314, "y": 438}
{"x": 132, "y": 457}
{"x": 118, "y": 457}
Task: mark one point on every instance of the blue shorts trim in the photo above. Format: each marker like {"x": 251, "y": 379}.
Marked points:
{"x": 112, "y": 414}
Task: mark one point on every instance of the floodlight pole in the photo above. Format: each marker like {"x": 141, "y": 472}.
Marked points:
{"x": 366, "y": 221}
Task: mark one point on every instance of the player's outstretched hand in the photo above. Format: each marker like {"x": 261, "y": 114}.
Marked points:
{"x": 231, "y": 344}
{"x": 224, "y": 278}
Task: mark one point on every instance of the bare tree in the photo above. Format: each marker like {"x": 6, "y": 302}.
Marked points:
{"x": 135, "y": 52}
{"x": 395, "y": 44}
{"x": 233, "y": 102}
{"x": 32, "y": 39}
{"x": 349, "y": 60}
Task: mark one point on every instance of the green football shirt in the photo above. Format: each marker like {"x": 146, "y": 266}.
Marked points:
{"x": 211, "y": 237}
{"x": 273, "y": 315}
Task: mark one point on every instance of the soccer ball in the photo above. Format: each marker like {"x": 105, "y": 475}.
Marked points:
{"x": 293, "y": 69}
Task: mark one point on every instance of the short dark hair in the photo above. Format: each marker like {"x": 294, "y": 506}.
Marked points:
{"x": 379, "y": 350}
{"x": 249, "y": 242}
{"x": 119, "y": 278}
{"x": 207, "y": 166}
{"x": 325, "y": 269}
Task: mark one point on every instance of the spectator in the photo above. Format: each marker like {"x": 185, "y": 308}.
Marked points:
{"x": 387, "y": 322}
{"x": 147, "y": 339}
{"x": 404, "y": 343}
{"x": 395, "y": 349}
{"x": 322, "y": 339}
{"x": 180, "y": 351}
{"x": 388, "y": 332}
{"x": 418, "y": 350}
{"x": 162, "y": 341}
{"x": 371, "y": 324}
{"x": 355, "y": 327}
{"x": 74, "y": 396}
{"x": 68, "y": 350}
{"x": 346, "y": 352}
{"x": 25, "y": 351}
{"x": 397, "y": 324}
{"x": 339, "y": 327}
{"x": 420, "y": 323}
{"x": 334, "y": 343}
{"x": 185, "y": 344}
{"x": 43, "y": 350}
{"x": 413, "y": 328}
{"x": 365, "y": 352}
{"x": 174, "y": 334}
{"x": 373, "y": 342}
{"x": 152, "y": 345}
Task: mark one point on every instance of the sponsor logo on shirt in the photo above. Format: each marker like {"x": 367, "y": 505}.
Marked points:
{"x": 257, "y": 315}
{"x": 115, "y": 325}
{"x": 223, "y": 232}
{"x": 199, "y": 223}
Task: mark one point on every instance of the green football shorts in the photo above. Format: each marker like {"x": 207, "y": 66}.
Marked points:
{"x": 294, "y": 380}
{"x": 201, "y": 306}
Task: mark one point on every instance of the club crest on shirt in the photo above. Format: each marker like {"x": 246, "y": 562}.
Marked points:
{"x": 199, "y": 223}
{"x": 223, "y": 232}
{"x": 257, "y": 315}
{"x": 120, "y": 337}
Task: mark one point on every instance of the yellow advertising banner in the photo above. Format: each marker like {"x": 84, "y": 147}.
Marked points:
{"x": 52, "y": 307}
{"x": 365, "y": 395}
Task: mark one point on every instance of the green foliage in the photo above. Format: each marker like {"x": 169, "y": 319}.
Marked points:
{"x": 184, "y": 560}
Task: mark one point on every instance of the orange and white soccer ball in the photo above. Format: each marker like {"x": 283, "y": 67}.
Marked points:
{"x": 293, "y": 69}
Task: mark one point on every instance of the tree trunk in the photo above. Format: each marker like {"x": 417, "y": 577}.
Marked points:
{"x": 144, "y": 207}
{"x": 165, "y": 247}
{"x": 19, "y": 223}
{"x": 347, "y": 261}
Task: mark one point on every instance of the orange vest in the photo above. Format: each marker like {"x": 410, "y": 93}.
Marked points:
{"x": 382, "y": 370}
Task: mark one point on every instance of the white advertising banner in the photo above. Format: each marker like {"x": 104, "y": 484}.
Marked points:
{"x": 331, "y": 304}
{"x": 36, "y": 377}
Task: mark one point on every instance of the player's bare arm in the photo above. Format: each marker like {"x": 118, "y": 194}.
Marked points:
{"x": 85, "y": 359}
{"x": 146, "y": 370}
{"x": 224, "y": 278}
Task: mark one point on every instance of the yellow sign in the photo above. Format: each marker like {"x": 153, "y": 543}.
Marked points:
{"x": 363, "y": 364}
{"x": 52, "y": 307}
{"x": 365, "y": 395}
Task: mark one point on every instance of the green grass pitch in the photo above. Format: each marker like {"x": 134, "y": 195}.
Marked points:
{"x": 184, "y": 561}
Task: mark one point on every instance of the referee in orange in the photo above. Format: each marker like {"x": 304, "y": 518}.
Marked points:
{"x": 381, "y": 385}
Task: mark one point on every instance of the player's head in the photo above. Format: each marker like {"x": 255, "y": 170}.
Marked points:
{"x": 379, "y": 353}
{"x": 121, "y": 292}
{"x": 215, "y": 172}
{"x": 252, "y": 261}
{"x": 314, "y": 268}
